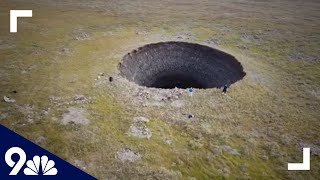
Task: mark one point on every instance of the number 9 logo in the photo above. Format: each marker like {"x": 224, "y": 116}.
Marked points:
{"x": 15, "y": 165}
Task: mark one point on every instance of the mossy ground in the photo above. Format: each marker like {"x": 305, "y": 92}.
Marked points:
{"x": 265, "y": 116}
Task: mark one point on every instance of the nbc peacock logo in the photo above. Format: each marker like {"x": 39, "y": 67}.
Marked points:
{"x": 36, "y": 166}
{"x": 40, "y": 166}
{"x": 22, "y": 159}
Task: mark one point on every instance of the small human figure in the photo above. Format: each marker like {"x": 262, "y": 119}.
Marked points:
{"x": 110, "y": 79}
{"x": 225, "y": 88}
{"x": 190, "y": 90}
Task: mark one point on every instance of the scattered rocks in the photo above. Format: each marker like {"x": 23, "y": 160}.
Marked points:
{"x": 169, "y": 94}
{"x": 168, "y": 141}
{"x": 143, "y": 94}
{"x": 80, "y": 164}
{"x": 225, "y": 148}
{"x": 102, "y": 74}
{"x": 127, "y": 155}
{"x": 164, "y": 173}
{"x": 174, "y": 94}
{"x": 81, "y": 99}
{"x": 213, "y": 41}
{"x": 230, "y": 150}
{"x": 243, "y": 47}
{"x": 8, "y": 99}
{"x": 55, "y": 99}
{"x": 37, "y": 49}
{"x": 185, "y": 36}
{"x": 251, "y": 38}
{"x": 65, "y": 50}
{"x": 225, "y": 30}
{"x": 139, "y": 131}
{"x": 46, "y": 111}
{"x": 315, "y": 93}
{"x": 76, "y": 116}
{"x": 26, "y": 109}
{"x": 24, "y": 72}
{"x": 177, "y": 104}
{"x": 28, "y": 112}
{"x": 153, "y": 104}
{"x": 142, "y": 33}
{"x": 82, "y": 36}
{"x": 298, "y": 56}
{"x": 141, "y": 119}
{"x": 77, "y": 99}
{"x": 40, "y": 140}
{"x": 3, "y": 116}
{"x": 29, "y": 118}
{"x": 29, "y": 69}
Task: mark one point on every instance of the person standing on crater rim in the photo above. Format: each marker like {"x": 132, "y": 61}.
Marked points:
{"x": 190, "y": 91}
{"x": 225, "y": 88}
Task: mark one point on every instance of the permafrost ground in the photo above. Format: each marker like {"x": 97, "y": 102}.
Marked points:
{"x": 55, "y": 74}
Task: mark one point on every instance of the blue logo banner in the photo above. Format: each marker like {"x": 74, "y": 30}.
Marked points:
{"x": 22, "y": 159}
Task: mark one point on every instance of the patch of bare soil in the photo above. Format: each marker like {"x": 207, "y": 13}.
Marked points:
{"x": 76, "y": 116}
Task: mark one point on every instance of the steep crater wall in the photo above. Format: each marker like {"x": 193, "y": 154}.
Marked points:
{"x": 180, "y": 64}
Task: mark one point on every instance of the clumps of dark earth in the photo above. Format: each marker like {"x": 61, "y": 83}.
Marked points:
{"x": 179, "y": 64}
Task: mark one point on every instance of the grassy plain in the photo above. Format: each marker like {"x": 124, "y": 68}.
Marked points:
{"x": 253, "y": 132}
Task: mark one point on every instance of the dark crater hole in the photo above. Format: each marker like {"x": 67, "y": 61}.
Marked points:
{"x": 180, "y": 64}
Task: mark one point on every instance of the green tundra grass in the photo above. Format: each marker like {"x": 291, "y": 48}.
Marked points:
{"x": 251, "y": 133}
